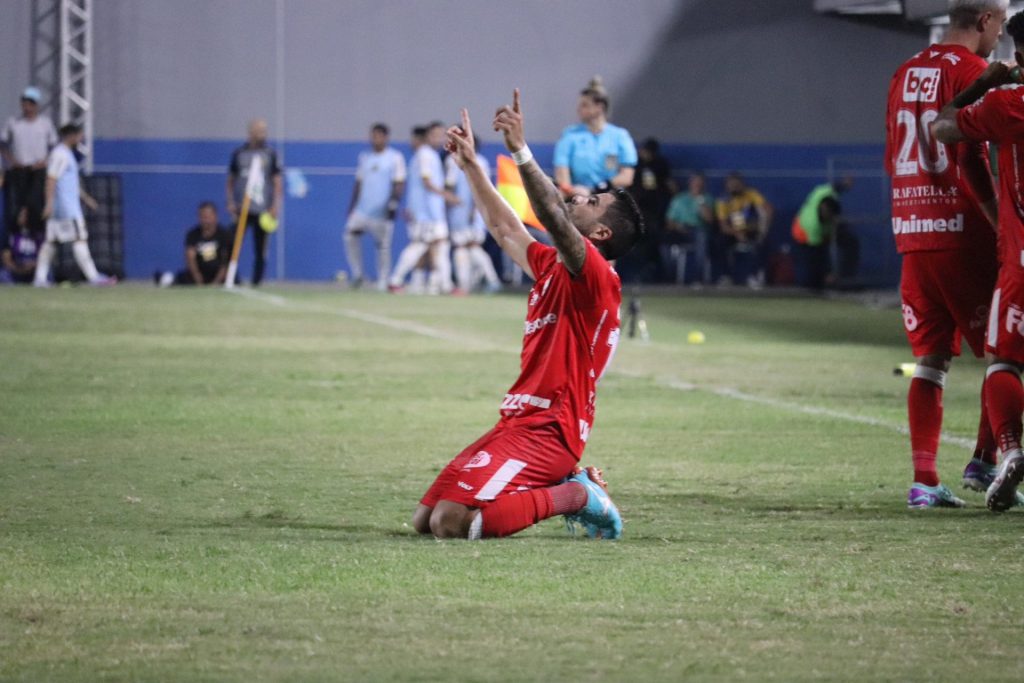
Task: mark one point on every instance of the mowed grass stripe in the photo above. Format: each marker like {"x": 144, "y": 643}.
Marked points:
{"x": 199, "y": 487}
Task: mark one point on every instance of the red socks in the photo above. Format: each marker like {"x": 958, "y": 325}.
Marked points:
{"x": 924, "y": 408}
{"x": 1005, "y": 398}
{"x": 516, "y": 511}
{"x": 985, "y": 450}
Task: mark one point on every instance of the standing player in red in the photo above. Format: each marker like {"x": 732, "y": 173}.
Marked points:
{"x": 525, "y": 469}
{"x": 999, "y": 118}
{"x": 943, "y": 219}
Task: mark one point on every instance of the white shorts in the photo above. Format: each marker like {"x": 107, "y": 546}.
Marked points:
{"x": 65, "y": 230}
{"x": 359, "y": 223}
{"x": 428, "y": 231}
{"x": 463, "y": 236}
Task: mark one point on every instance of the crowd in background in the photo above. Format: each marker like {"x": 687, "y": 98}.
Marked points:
{"x": 693, "y": 237}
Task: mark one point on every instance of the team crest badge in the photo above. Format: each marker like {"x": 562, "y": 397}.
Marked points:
{"x": 481, "y": 459}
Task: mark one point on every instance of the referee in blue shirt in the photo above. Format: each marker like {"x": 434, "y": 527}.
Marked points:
{"x": 594, "y": 155}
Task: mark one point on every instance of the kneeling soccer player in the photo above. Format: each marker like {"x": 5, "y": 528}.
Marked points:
{"x": 999, "y": 118}
{"x": 525, "y": 469}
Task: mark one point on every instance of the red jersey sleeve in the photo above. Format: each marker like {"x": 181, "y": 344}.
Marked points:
{"x": 540, "y": 257}
{"x": 997, "y": 117}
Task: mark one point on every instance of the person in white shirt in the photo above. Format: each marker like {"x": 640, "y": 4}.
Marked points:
{"x": 63, "y": 211}
{"x": 380, "y": 178}
{"x": 25, "y": 142}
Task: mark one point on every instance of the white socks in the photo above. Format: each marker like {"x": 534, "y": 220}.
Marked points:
{"x": 463, "y": 268}
{"x": 354, "y": 251}
{"x": 43, "y": 261}
{"x": 84, "y": 259}
{"x": 408, "y": 259}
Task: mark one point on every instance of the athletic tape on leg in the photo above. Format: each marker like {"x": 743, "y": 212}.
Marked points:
{"x": 933, "y": 375}
{"x": 1002, "y": 367}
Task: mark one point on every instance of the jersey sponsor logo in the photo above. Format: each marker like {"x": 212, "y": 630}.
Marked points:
{"x": 915, "y": 225}
{"x": 1015, "y": 320}
{"x": 464, "y": 485}
{"x": 921, "y": 85}
{"x": 924, "y": 192}
{"x": 515, "y": 402}
{"x": 481, "y": 459}
{"x": 540, "y": 323}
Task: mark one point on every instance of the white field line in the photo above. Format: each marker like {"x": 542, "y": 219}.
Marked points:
{"x": 392, "y": 323}
{"x": 678, "y": 385}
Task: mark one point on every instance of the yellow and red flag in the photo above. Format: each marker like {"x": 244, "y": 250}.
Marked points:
{"x": 510, "y": 186}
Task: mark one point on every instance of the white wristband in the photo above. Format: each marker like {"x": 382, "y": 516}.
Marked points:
{"x": 523, "y": 156}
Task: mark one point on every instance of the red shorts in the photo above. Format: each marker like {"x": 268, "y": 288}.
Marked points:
{"x": 505, "y": 459}
{"x": 1006, "y": 321}
{"x": 947, "y": 294}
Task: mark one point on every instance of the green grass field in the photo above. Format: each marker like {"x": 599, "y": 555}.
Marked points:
{"x": 199, "y": 486}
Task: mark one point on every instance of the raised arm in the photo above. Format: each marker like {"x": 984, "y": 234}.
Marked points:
{"x": 502, "y": 222}
{"x": 975, "y": 159}
{"x": 544, "y": 197}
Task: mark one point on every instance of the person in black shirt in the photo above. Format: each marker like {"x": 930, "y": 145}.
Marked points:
{"x": 207, "y": 250}
{"x": 268, "y": 189}
{"x": 653, "y": 188}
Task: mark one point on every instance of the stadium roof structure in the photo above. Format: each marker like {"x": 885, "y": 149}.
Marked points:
{"x": 929, "y": 12}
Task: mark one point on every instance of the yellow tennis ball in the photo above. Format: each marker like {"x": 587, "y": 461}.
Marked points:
{"x": 268, "y": 222}
{"x": 695, "y": 337}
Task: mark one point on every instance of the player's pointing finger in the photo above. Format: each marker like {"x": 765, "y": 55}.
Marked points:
{"x": 515, "y": 101}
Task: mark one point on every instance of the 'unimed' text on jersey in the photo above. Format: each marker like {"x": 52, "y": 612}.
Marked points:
{"x": 571, "y": 331}
{"x": 932, "y": 205}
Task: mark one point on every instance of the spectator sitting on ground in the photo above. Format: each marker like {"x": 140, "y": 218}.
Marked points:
{"x": 690, "y": 221}
{"x": 744, "y": 217}
{"x": 18, "y": 255}
{"x": 207, "y": 250}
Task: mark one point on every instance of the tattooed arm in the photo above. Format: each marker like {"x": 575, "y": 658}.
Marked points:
{"x": 545, "y": 198}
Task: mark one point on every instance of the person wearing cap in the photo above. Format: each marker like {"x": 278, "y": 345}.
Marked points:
{"x": 594, "y": 155}
{"x": 25, "y": 143}
{"x": 268, "y": 194}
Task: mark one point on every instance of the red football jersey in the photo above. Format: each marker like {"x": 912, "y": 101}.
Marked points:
{"x": 999, "y": 117}
{"x": 571, "y": 331}
{"x": 932, "y": 204}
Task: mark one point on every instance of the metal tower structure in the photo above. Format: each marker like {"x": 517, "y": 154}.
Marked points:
{"x": 61, "y": 63}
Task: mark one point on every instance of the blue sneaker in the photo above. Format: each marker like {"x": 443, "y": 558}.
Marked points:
{"x": 1002, "y": 494}
{"x": 920, "y": 497}
{"x": 979, "y": 475}
{"x": 599, "y": 516}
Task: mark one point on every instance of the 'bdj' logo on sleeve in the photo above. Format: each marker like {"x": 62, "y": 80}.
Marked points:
{"x": 921, "y": 85}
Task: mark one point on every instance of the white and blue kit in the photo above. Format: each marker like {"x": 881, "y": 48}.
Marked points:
{"x": 427, "y": 220}
{"x": 465, "y": 223}
{"x": 376, "y": 173}
{"x": 66, "y": 223}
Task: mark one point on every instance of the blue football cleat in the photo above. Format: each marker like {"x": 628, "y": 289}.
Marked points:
{"x": 921, "y": 496}
{"x": 599, "y": 516}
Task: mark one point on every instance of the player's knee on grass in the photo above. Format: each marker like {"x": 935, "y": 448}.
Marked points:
{"x": 451, "y": 520}
{"x": 421, "y": 519}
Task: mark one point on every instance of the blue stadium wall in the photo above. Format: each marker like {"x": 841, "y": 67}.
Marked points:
{"x": 165, "y": 179}
{"x": 770, "y": 88}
